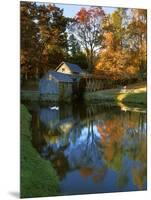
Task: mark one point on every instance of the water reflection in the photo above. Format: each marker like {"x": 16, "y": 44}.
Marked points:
{"x": 93, "y": 148}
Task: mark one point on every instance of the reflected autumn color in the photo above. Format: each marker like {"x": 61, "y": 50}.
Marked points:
{"x": 125, "y": 135}
{"x": 99, "y": 148}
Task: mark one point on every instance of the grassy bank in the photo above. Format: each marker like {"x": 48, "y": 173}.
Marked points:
{"x": 138, "y": 98}
{"x": 135, "y": 94}
{"x": 30, "y": 95}
{"x": 38, "y": 178}
{"x": 132, "y": 94}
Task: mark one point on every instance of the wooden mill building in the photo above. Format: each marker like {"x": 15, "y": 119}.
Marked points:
{"x": 66, "y": 81}
{"x": 71, "y": 69}
{"x": 59, "y": 84}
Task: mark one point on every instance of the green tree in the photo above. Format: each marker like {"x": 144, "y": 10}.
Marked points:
{"x": 76, "y": 55}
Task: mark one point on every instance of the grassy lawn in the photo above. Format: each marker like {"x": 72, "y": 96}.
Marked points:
{"x": 133, "y": 94}
{"x": 30, "y": 95}
{"x": 138, "y": 98}
{"x": 38, "y": 178}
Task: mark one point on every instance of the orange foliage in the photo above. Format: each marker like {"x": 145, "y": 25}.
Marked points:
{"x": 108, "y": 37}
{"x": 85, "y": 16}
{"x": 109, "y": 152}
{"x": 86, "y": 171}
{"x": 82, "y": 15}
{"x": 112, "y": 132}
{"x": 123, "y": 53}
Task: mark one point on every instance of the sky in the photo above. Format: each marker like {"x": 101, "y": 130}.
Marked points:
{"x": 71, "y": 10}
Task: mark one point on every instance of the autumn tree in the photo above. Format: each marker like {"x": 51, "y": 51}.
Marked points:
{"x": 43, "y": 38}
{"x": 113, "y": 45}
{"x": 123, "y": 52}
{"x": 137, "y": 37}
{"x": 112, "y": 60}
{"x": 29, "y": 40}
{"x": 87, "y": 30}
{"x": 52, "y": 34}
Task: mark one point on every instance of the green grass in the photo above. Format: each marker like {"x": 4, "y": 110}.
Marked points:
{"x": 29, "y": 95}
{"x": 139, "y": 98}
{"x": 38, "y": 178}
{"x": 134, "y": 94}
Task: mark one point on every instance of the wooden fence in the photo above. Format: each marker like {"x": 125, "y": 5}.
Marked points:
{"x": 92, "y": 83}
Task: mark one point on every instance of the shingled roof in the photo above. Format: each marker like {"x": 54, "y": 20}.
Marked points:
{"x": 60, "y": 76}
{"x": 73, "y": 67}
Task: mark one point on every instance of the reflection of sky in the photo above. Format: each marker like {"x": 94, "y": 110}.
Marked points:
{"x": 84, "y": 135}
{"x": 85, "y": 151}
{"x": 87, "y": 185}
{"x": 107, "y": 184}
{"x": 82, "y": 150}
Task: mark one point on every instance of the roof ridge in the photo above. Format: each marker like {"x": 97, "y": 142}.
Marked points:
{"x": 62, "y": 76}
{"x": 74, "y": 67}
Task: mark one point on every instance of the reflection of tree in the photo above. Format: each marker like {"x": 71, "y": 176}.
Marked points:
{"x": 60, "y": 163}
{"x": 86, "y": 171}
{"x": 125, "y": 135}
{"x": 91, "y": 144}
{"x": 86, "y": 152}
{"x": 111, "y": 133}
{"x": 38, "y": 140}
{"x": 42, "y": 137}
{"x": 77, "y": 144}
{"x": 139, "y": 176}
{"x": 122, "y": 179}
{"x": 97, "y": 174}
{"x": 139, "y": 153}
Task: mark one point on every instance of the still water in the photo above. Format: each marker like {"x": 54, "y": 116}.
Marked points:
{"x": 93, "y": 148}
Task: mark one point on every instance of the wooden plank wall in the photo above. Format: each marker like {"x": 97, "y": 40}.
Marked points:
{"x": 93, "y": 84}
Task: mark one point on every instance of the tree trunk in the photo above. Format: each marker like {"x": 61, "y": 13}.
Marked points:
{"x": 37, "y": 73}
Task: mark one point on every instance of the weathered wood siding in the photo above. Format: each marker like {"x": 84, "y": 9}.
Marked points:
{"x": 65, "y": 90}
{"x": 51, "y": 89}
{"x": 48, "y": 87}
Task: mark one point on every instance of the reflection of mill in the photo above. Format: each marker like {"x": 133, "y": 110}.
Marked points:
{"x": 89, "y": 139}
{"x": 60, "y": 130}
